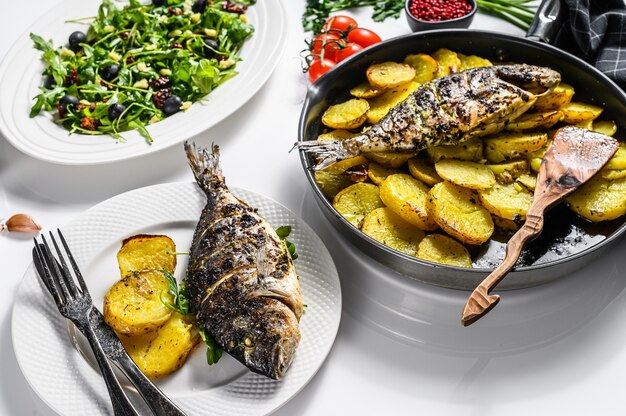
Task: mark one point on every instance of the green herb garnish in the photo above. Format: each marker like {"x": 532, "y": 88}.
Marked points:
{"x": 317, "y": 11}
{"x": 149, "y": 61}
{"x": 283, "y": 232}
{"x": 213, "y": 351}
{"x": 181, "y": 302}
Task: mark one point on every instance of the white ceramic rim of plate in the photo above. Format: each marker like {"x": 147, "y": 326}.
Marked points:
{"x": 61, "y": 376}
{"x": 41, "y": 138}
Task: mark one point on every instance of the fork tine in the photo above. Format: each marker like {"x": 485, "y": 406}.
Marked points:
{"x": 55, "y": 272}
{"x": 69, "y": 281}
{"x": 44, "y": 272}
{"x": 77, "y": 272}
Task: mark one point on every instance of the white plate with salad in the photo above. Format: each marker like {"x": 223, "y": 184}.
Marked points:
{"x": 69, "y": 381}
{"x": 151, "y": 61}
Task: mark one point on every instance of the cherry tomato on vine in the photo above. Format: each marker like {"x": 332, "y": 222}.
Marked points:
{"x": 363, "y": 37}
{"x": 340, "y": 23}
{"x": 319, "y": 68}
{"x": 329, "y": 41}
{"x": 350, "y": 49}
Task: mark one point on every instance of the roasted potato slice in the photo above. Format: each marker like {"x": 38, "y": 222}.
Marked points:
{"x": 333, "y": 179}
{"x": 356, "y": 201}
{"x": 532, "y": 121}
{"x": 365, "y": 90}
{"x": 466, "y": 174}
{"x": 600, "y": 199}
{"x": 618, "y": 161}
{"x": 448, "y": 61}
{"x": 385, "y": 226}
{"x": 576, "y": 112}
{"x": 339, "y": 134}
{"x": 506, "y": 172}
{"x": 472, "y": 61}
{"x": 442, "y": 249}
{"x": 456, "y": 211}
{"x": 555, "y": 99}
{"x": 163, "y": 351}
{"x": 535, "y": 163}
{"x": 586, "y": 124}
{"x": 612, "y": 174}
{"x": 378, "y": 173}
{"x": 513, "y": 145}
{"x": 349, "y": 115}
{"x": 389, "y": 74}
{"x": 471, "y": 149}
{"x": 528, "y": 180}
{"x": 425, "y": 67}
{"x": 144, "y": 251}
{"x": 504, "y": 225}
{"x": 390, "y": 159}
{"x": 380, "y": 106}
{"x": 134, "y": 305}
{"x": 406, "y": 196}
{"x": 608, "y": 127}
{"x": 507, "y": 201}
{"x": 424, "y": 171}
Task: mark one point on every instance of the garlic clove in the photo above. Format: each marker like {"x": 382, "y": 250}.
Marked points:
{"x": 22, "y": 223}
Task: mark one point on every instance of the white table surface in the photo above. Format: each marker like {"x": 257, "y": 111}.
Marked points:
{"x": 553, "y": 350}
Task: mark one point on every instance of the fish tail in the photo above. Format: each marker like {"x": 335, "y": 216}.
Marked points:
{"x": 327, "y": 152}
{"x": 205, "y": 165}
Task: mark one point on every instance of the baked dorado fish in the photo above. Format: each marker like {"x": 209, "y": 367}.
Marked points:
{"x": 241, "y": 282}
{"x": 447, "y": 110}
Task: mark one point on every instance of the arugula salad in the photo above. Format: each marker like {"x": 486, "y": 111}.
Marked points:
{"x": 139, "y": 64}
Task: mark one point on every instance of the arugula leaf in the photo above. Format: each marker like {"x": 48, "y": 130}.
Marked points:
{"x": 283, "y": 232}
{"x": 181, "y": 302}
{"x": 40, "y": 44}
{"x": 213, "y": 351}
{"x": 204, "y": 75}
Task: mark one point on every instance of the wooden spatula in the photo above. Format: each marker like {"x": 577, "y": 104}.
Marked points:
{"x": 575, "y": 155}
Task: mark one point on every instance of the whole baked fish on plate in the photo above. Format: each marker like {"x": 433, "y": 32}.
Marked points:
{"x": 448, "y": 110}
{"x": 241, "y": 281}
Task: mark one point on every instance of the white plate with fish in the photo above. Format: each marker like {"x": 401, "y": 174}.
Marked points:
{"x": 42, "y": 138}
{"x": 70, "y": 384}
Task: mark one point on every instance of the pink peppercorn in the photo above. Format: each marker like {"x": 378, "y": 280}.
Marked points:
{"x": 439, "y": 10}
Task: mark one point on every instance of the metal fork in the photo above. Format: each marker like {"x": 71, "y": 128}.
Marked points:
{"x": 75, "y": 304}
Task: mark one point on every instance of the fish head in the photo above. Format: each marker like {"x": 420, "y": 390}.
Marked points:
{"x": 268, "y": 346}
{"x": 536, "y": 79}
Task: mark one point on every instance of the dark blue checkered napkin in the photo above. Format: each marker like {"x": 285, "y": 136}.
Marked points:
{"x": 596, "y": 32}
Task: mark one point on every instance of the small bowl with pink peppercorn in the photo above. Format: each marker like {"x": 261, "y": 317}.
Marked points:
{"x": 439, "y": 14}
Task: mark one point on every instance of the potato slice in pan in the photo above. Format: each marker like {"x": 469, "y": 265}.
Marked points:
{"x": 380, "y": 106}
{"x": 507, "y": 201}
{"x": 406, "y": 196}
{"x": 365, "y": 90}
{"x": 165, "y": 350}
{"x": 555, "y": 99}
{"x": 507, "y": 172}
{"x": 471, "y": 149}
{"x": 535, "y": 163}
{"x": 464, "y": 173}
{"x": 456, "y": 210}
{"x": 448, "y": 61}
{"x": 504, "y": 225}
{"x": 472, "y": 61}
{"x": 425, "y": 67}
{"x": 442, "y": 249}
{"x": 333, "y": 179}
{"x": 134, "y": 305}
{"x": 532, "y": 121}
{"x": 390, "y": 159}
{"x": 608, "y": 128}
{"x": 599, "y": 199}
{"x": 421, "y": 169}
{"x": 513, "y": 145}
{"x": 586, "y": 124}
{"x": 389, "y": 74}
{"x": 576, "y": 112}
{"x": 618, "y": 161}
{"x": 145, "y": 251}
{"x": 378, "y": 173}
{"x": 390, "y": 229}
{"x": 528, "y": 180}
{"x": 613, "y": 174}
{"x": 339, "y": 134}
{"x": 349, "y": 115}
{"x": 356, "y": 201}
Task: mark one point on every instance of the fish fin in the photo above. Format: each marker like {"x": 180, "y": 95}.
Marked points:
{"x": 327, "y": 152}
{"x": 264, "y": 264}
{"x": 205, "y": 166}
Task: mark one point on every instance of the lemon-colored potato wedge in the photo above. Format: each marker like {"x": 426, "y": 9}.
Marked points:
{"x": 389, "y": 74}
{"x": 600, "y": 199}
{"x": 425, "y": 67}
{"x": 390, "y": 229}
{"x": 365, "y": 90}
{"x": 507, "y": 201}
{"x": 442, "y": 249}
{"x": 380, "y": 106}
{"x": 423, "y": 170}
{"x": 378, "y": 173}
{"x": 464, "y": 173}
{"x": 471, "y": 149}
{"x": 554, "y": 99}
{"x": 356, "y": 201}
{"x": 576, "y": 112}
{"x": 533, "y": 121}
{"x": 507, "y": 172}
{"x": 348, "y": 115}
{"x": 406, "y": 196}
{"x": 146, "y": 251}
{"x": 472, "y": 61}
{"x": 513, "y": 145}
{"x": 606, "y": 127}
{"x": 448, "y": 61}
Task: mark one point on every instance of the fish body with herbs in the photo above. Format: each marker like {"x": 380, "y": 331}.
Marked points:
{"x": 446, "y": 111}
{"x": 241, "y": 282}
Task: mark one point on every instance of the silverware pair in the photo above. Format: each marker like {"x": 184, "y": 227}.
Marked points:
{"x": 75, "y": 303}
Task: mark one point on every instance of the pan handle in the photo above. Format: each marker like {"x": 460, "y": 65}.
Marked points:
{"x": 549, "y": 18}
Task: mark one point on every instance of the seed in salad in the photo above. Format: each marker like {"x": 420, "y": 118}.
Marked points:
{"x": 172, "y": 105}
{"x": 116, "y": 110}
{"x": 68, "y": 101}
{"x": 439, "y": 10}
{"x": 210, "y": 48}
{"x": 75, "y": 39}
{"x": 109, "y": 72}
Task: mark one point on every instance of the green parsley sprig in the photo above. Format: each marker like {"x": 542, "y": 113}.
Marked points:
{"x": 283, "y": 232}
